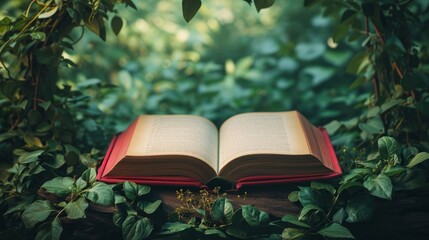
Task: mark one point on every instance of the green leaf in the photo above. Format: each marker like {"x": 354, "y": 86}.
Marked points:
{"x": 190, "y": 8}
{"x": 254, "y": 217}
{"x": 348, "y": 185}
{"x": 222, "y": 209}
{"x": 132, "y": 190}
{"x": 89, "y": 175}
{"x": 50, "y": 231}
{"x": 293, "y": 196}
{"x": 136, "y": 228}
{"x": 149, "y": 207}
{"x": 76, "y": 209}
{"x": 261, "y": 4}
{"x": 360, "y": 208}
{"x": 174, "y": 227}
{"x": 60, "y": 186}
{"x": 40, "y": 36}
{"x": 324, "y": 186}
{"x": 379, "y": 186}
{"x": 356, "y": 174}
{"x": 116, "y": 24}
{"x": 80, "y": 184}
{"x": 101, "y": 193}
{"x": 292, "y": 233}
{"x": 335, "y": 230}
{"x": 307, "y": 208}
{"x": 119, "y": 217}
{"x": 215, "y": 232}
{"x": 49, "y": 13}
{"x": 392, "y": 170}
{"x": 294, "y": 220}
{"x": 419, "y": 158}
{"x": 339, "y": 216}
{"x": 308, "y": 195}
{"x": 36, "y": 212}
{"x": 373, "y": 126}
{"x": 55, "y": 162}
{"x": 28, "y": 157}
{"x": 387, "y": 146}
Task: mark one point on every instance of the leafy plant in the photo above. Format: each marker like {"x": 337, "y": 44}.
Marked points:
{"x": 134, "y": 210}
{"x": 73, "y": 196}
{"x": 212, "y": 216}
{"x": 326, "y": 208}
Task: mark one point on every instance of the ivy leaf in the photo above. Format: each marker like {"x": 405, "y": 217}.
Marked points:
{"x": 360, "y": 208}
{"x": 89, "y": 175}
{"x": 292, "y": 233}
{"x": 308, "y": 195}
{"x": 254, "y": 217}
{"x": 60, "y": 186}
{"x": 387, "y": 146}
{"x": 419, "y": 158}
{"x": 116, "y": 24}
{"x": 373, "y": 126}
{"x": 101, "y": 193}
{"x": 50, "y": 231}
{"x": 149, "y": 207}
{"x": 80, "y": 184}
{"x": 339, "y": 216}
{"x": 347, "y": 185}
{"x": 27, "y": 157}
{"x": 335, "y": 230}
{"x": 190, "y": 8}
{"x": 293, "y": 196}
{"x": 261, "y": 4}
{"x": 119, "y": 217}
{"x": 131, "y": 4}
{"x": 307, "y": 208}
{"x": 324, "y": 186}
{"x": 379, "y": 186}
{"x": 132, "y": 190}
{"x": 222, "y": 209}
{"x": 36, "y": 212}
{"x": 136, "y": 228}
{"x": 215, "y": 232}
{"x": 174, "y": 227}
{"x": 49, "y": 13}
{"x": 294, "y": 220}
{"x": 76, "y": 209}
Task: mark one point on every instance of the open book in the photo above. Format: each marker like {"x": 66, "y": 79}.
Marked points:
{"x": 249, "y": 149}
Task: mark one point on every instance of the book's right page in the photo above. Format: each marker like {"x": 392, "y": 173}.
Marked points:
{"x": 261, "y": 133}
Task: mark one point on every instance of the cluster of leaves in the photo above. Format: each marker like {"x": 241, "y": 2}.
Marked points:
{"x": 210, "y": 215}
{"x": 326, "y": 208}
{"x": 191, "y": 7}
{"x": 395, "y": 61}
{"x": 135, "y": 211}
{"x": 69, "y": 199}
{"x": 73, "y": 196}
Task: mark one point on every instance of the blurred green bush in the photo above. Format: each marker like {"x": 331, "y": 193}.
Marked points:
{"x": 228, "y": 60}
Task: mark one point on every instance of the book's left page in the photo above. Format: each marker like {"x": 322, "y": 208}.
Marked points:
{"x": 167, "y": 145}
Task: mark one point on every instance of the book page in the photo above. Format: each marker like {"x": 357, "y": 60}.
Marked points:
{"x": 261, "y": 133}
{"x": 175, "y": 135}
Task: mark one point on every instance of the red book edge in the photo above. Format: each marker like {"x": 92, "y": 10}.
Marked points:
{"x": 149, "y": 180}
{"x": 248, "y": 181}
